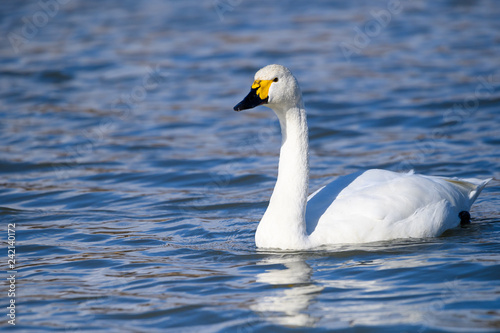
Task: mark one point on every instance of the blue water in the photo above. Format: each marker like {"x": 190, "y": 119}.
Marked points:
{"x": 135, "y": 189}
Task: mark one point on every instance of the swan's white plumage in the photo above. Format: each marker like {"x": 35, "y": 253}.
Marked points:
{"x": 380, "y": 205}
{"x": 368, "y": 206}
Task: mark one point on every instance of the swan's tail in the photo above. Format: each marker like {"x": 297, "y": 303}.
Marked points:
{"x": 473, "y": 185}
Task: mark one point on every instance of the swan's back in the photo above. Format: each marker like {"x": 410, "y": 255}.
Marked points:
{"x": 379, "y": 205}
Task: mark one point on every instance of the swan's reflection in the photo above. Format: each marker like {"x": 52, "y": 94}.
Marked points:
{"x": 294, "y": 292}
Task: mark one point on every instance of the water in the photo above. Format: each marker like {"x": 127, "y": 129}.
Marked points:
{"x": 136, "y": 190}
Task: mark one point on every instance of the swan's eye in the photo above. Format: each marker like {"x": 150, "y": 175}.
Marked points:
{"x": 275, "y": 79}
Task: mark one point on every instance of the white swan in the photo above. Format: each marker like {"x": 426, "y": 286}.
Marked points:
{"x": 367, "y": 206}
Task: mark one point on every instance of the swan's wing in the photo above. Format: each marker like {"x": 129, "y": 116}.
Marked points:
{"x": 378, "y": 204}
{"x": 319, "y": 201}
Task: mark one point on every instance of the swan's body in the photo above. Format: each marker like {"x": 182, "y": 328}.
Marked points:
{"x": 369, "y": 206}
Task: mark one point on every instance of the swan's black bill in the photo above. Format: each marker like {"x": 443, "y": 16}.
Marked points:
{"x": 250, "y": 101}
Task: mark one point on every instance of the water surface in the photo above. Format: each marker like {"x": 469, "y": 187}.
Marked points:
{"x": 136, "y": 190}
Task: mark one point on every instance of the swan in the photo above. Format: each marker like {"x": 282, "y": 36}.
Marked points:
{"x": 368, "y": 206}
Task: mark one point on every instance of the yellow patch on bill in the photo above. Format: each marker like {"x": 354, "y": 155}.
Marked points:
{"x": 262, "y": 87}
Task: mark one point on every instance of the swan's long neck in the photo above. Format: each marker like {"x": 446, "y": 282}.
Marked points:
{"x": 283, "y": 224}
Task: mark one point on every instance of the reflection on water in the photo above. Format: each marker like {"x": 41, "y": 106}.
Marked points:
{"x": 372, "y": 289}
{"x": 294, "y": 292}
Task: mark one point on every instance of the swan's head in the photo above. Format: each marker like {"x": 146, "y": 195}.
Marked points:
{"x": 274, "y": 86}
